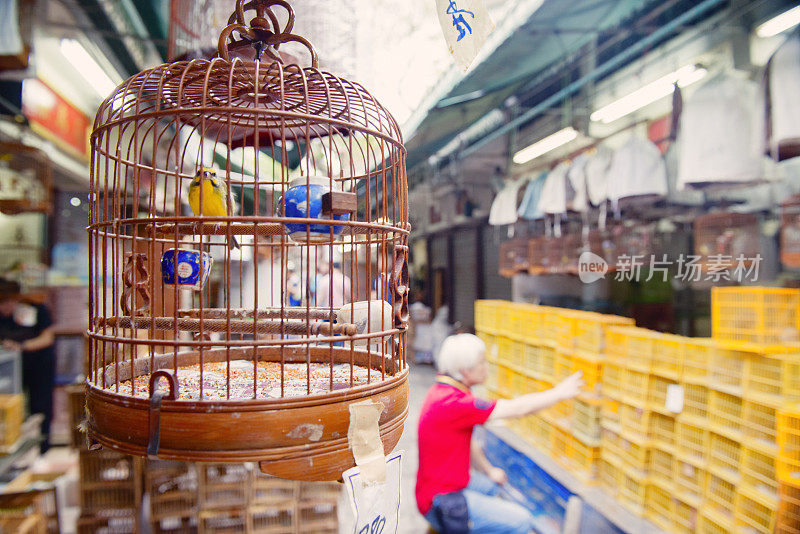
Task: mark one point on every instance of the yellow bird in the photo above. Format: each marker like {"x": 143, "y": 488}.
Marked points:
{"x": 216, "y": 202}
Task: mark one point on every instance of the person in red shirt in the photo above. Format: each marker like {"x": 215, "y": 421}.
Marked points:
{"x": 457, "y": 488}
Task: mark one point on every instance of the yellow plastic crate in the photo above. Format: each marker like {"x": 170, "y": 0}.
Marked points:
{"x": 519, "y": 384}
{"x": 542, "y": 432}
{"x": 504, "y": 325}
{"x": 760, "y": 422}
{"x": 763, "y": 315}
{"x": 725, "y": 414}
{"x": 610, "y": 441}
{"x": 532, "y": 359}
{"x": 755, "y": 512}
{"x": 505, "y": 380}
{"x": 774, "y": 378}
{"x": 728, "y": 370}
{"x": 668, "y": 356}
{"x": 562, "y": 412}
{"x": 660, "y": 466}
{"x": 692, "y": 440}
{"x": 636, "y": 388}
{"x": 689, "y": 477}
{"x": 522, "y": 316}
{"x": 662, "y": 430}
{"x": 562, "y": 328}
{"x": 584, "y": 460}
{"x": 789, "y": 444}
{"x": 485, "y": 311}
{"x": 11, "y": 417}
{"x": 516, "y": 356}
{"x": 695, "y": 403}
{"x": 788, "y": 510}
{"x": 657, "y": 392}
{"x": 659, "y": 505}
{"x": 611, "y": 410}
{"x": 612, "y": 380}
{"x": 591, "y": 367}
{"x": 720, "y": 495}
{"x": 632, "y": 490}
{"x": 758, "y": 470}
{"x": 636, "y": 422}
{"x": 563, "y": 366}
{"x": 697, "y": 357}
{"x": 724, "y": 455}
{"x": 686, "y": 517}
{"x": 641, "y": 348}
{"x": 592, "y": 329}
{"x": 609, "y": 474}
{"x": 635, "y": 454}
{"x": 503, "y": 350}
{"x": 712, "y": 522}
{"x": 560, "y": 447}
{"x": 547, "y": 369}
{"x": 586, "y": 416}
{"x": 617, "y": 345}
{"x": 492, "y": 376}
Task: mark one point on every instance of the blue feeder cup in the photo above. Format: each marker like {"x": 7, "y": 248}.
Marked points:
{"x": 185, "y": 268}
{"x": 304, "y": 199}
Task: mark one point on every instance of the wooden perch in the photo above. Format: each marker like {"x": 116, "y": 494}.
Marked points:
{"x": 239, "y": 326}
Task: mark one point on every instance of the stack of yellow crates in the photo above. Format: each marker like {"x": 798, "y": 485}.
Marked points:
{"x": 530, "y": 348}
{"x": 789, "y": 469}
{"x": 681, "y": 430}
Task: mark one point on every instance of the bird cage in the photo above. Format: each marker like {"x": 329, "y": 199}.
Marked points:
{"x": 25, "y": 179}
{"x": 790, "y": 232}
{"x": 513, "y": 257}
{"x": 248, "y": 259}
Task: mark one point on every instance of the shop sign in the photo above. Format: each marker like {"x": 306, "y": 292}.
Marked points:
{"x": 54, "y": 118}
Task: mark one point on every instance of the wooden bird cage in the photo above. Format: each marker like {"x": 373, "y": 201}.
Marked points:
{"x": 513, "y": 257}
{"x": 203, "y": 352}
{"x": 25, "y": 179}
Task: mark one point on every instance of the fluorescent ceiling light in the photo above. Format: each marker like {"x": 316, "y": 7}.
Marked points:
{"x": 85, "y": 64}
{"x": 545, "y": 145}
{"x": 649, "y": 93}
{"x": 779, "y": 24}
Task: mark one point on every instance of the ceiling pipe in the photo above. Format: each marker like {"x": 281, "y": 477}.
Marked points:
{"x": 600, "y": 71}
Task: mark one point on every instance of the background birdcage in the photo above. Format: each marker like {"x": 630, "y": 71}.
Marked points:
{"x": 204, "y": 351}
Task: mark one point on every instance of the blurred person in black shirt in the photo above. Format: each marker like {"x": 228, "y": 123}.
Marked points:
{"x": 28, "y": 328}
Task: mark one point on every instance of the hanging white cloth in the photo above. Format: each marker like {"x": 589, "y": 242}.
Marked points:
{"x": 554, "y": 192}
{"x": 637, "y": 172}
{"x": 504, "y": 207}
{"x": 721, "y": 133}
{"x": 577, "y": 180}
{"x": 529, "y": 207}
{"x": 784, "y": 86}
{"x": 596, "y": 172}
{"x": 10, "y": 40}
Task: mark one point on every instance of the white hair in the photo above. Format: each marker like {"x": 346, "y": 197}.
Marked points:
{"x": 459, "y": 353}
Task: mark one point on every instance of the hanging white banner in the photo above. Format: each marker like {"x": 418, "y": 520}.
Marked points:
{"x": 466, "y": 25}
{"x": 376, "y": 505}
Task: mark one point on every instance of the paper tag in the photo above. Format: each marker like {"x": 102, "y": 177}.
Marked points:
{"x": 674, "y": 402}
{"x": 376, "y": 506}
{"x": 364, "y": 439}
{"x": 465, "y": 24}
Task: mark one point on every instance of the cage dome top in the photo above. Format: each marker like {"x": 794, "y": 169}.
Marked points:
{"x": 246, "y": 101}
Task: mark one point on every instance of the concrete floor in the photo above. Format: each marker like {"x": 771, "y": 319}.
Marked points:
{"x": 411, "y": 522}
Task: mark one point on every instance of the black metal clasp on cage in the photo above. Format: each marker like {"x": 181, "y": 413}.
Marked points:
{"x": 156, "y": 395}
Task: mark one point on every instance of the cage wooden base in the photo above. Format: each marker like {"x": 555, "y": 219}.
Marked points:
{"x": 300, "y": 438}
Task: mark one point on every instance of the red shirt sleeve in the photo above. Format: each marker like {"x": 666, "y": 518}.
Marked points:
{"x": 468, "y": 411}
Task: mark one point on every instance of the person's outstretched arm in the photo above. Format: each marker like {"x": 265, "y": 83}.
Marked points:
{"x": 533, "y": 402}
